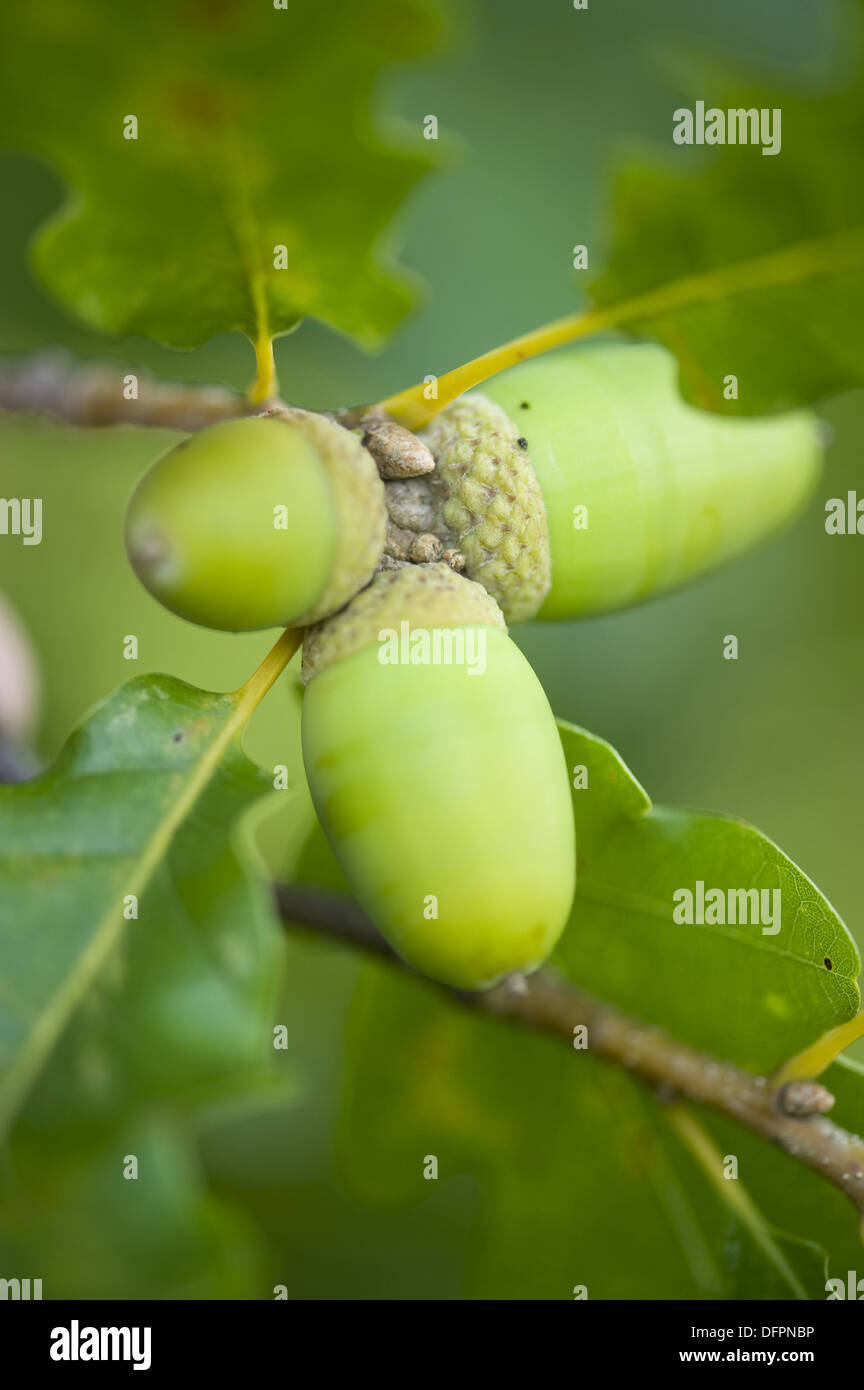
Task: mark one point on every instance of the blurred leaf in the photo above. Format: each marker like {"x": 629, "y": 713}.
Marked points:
{"x": 255, "y": 130}
{"x": 798, "y": 1268}
{"x": 750, "y": 998}
{"x": 761, "y": 1261}
{"x": 138, "y": 803}
{"x": 581, "y": 1179}
{"x": 316, "y": 864}
{"x": 751, "y": 264}
{"x": 92, "y": 1232}
{"x": 845, "y": 1080}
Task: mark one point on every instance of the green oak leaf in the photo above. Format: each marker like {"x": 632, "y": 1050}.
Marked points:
{"x": 580, "y": 1178}
{"x": 255, "y": 130}
{"x": 140, "y": 803}
{"x": 747, "y": 263}
{"x": 747, "y": 996}
{"x": 576, "y": 1173}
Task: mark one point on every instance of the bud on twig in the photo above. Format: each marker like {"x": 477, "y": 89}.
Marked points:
{"x": 804, "y": 1098}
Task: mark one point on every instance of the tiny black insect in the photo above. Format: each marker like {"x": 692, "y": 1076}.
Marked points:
{"x": 523, "y": 443}
{"x": 828, "y": 965}
{"x": 525, "y": 405}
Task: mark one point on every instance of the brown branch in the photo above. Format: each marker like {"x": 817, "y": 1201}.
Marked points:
{"x": 548, "y": 1004}
{"x": 62, "y": 388}
{"x": 91, "y": 393}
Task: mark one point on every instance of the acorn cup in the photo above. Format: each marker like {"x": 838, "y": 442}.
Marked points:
{"x": 438, "y": 776}
{"x": 260, "y": 522}
{"x": 581, "y": 482}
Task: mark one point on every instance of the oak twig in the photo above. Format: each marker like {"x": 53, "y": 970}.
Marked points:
{"x": 92, "y": 393}
{"x": 679, "y": 1072}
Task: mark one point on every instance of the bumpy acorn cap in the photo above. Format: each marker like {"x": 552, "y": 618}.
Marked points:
{"x": 491, "y": 503}
{"x": 424, "y": 596}
{"x": 357, "y": 491}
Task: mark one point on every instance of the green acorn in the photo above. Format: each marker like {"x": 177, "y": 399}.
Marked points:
{"x": 261, "y": 522}
{"x": 581, "y": 482}
{"x": 438, "y": 776}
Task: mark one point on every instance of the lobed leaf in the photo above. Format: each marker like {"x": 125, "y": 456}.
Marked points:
{"x": 742, "y": 264}
{"x": 747, "y": 263}
{"x": 139, "y": 805}
{"x": 256, "y": 129}
{"x": 748, "y": 996}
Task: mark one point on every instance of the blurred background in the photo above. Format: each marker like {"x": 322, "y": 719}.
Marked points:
{"x": 534, "y": 106}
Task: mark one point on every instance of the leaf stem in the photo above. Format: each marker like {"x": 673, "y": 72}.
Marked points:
{"x": 263, "y": 389}
{"x": 789, "y": 265}
{"x": 252, "y": 691}
{"x": 810, "y": 1063}
{"x": 412, "y": 408}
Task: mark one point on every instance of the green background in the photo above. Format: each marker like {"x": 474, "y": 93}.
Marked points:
{"x": 534, "y": 104}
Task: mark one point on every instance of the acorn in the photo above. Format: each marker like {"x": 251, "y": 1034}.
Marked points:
{"x": 259, "y": 522}
{"x": 581, "y": 482}
{"x": 438, "y": 776}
